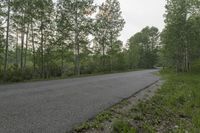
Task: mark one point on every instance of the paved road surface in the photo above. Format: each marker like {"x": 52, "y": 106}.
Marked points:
{"x": 56, "y": 106}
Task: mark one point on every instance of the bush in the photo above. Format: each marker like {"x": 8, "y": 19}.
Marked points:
{"x": 14, "y": 74}
{"x": 1, "y": 75}
{"x": 27, "y": 74}
{"x": 195, "y": 66}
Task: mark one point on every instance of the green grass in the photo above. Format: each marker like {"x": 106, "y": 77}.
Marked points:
{"x": 121, "y": 126}
{"x": 175, "y": 107}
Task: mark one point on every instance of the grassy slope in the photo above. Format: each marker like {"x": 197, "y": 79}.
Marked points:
{"x": 175, "y": 108}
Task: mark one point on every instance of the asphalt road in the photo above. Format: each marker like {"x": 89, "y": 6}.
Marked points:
{"x": 57, "y": 106}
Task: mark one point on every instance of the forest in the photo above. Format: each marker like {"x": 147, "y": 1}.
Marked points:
{"x": 42, "y": 39}
{"x": 181, "y": 35}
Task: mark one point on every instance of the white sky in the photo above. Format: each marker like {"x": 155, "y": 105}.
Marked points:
{"x": 139, "y": 14}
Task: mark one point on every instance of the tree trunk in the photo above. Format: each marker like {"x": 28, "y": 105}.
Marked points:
{"x": 47, "y": 64}
{"x": 22, "y": 44}
{"x": 103, "y": 42}
{"x": 42, "y": 50}
{"x": 78, "y": 60}
{"x": 27, "y": 36}
{"x": 187, "y": 57}
{"x": 62, "y": 58}
{"x": 22, "y": 50}
{"x": 111, "y": 56}
{"x": 7, "y": 41}
{"x": 16, "y": 51}
{"x": 33, "y": 46}
{"x": 77, "y": 43}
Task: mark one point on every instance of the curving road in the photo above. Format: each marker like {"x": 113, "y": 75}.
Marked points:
{"x": 57, "y": 106}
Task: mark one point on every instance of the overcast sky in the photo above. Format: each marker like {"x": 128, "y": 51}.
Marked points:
{"x": 139, "y": 14}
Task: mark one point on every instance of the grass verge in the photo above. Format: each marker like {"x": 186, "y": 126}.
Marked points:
{"x": 174, "y": 108}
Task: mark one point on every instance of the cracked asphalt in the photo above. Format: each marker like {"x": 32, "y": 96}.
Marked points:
{"x": 57, "y": 106}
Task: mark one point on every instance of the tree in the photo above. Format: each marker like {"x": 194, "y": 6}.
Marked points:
{"x": 45, "y": 9}
{"x": 143, "y": 50}
{"x": 1, "y": 36}
{"x": 134, "y": 52}
{"x": 64, "y": 37}
{"x": 20, "y": 17}
{"x": 100, "y": 33}
{"x": 109, "y": 24}
{"x": 7, "y": 39}
{"x": 117, "y": 56}
{"x": 79, "y": 19}
{"x": 42, "y": 39}
{"x": 177, "y": 42}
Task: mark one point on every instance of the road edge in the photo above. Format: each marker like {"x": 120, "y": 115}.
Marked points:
{"x": 92, "y": 124}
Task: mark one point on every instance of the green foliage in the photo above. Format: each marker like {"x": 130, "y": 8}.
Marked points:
{"x": 195, "y": 66}
{"x": 14, "y": 74}
{"x": 49, "y": 39}
{"x": 75, "y": 28}
{"x": 1, "y": 52}
{"x": 181, "y": 35}
{"x": 143, "y": 48}
{"x": 121, "y": 126}
{"x": 108, "y": 24}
